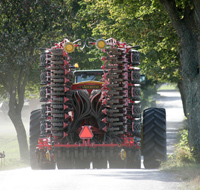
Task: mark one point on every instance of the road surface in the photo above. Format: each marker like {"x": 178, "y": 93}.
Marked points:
{"x": 103, "y": 179}
{"x": 171, "y": 101}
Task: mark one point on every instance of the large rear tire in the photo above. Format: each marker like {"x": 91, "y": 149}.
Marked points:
{"x": 34, "y": 133}
{"x": 154, "y": 137}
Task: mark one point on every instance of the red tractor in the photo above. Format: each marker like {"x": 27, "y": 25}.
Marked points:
{"x": 97, "y": 118}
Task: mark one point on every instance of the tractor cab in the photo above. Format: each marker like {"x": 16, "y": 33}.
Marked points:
{"x": 88, "y": 75}
{"x": 88, "y": 80}
{"x": 85, "y": 78}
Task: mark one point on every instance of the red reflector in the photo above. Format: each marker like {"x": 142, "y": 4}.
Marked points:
{"x": 86, "y": 133}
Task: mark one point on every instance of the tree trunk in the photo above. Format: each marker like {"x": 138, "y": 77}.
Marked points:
{"x": 21, "y": 133}
{"x": 188, "y": 31}
{"x": 190, "y": 91}
{"x": 16, "y": 101}
{"x": 190, "y": 94}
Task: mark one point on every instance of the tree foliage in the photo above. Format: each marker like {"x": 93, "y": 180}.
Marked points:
{"x": 25, "y": 26}
{"x": 142, "y": 23}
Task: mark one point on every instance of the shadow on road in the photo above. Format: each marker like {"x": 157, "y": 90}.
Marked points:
{"x": 139, "y": 174}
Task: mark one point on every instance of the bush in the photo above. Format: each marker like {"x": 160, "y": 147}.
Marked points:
{"x": 183, "y": 163}
{"x": 182, "y": 151}
{"x": 182, "y": 155}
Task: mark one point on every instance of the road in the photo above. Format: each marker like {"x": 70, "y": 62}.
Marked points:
{"x": 171, "y": 101}
{"x": 98, "y": 179}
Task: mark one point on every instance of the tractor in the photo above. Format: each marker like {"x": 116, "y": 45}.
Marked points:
{"x": 94, "y": 116}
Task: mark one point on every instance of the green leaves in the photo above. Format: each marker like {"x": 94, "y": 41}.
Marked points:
{"x": 143, "y": 23}
{"x": 25, "y": 26}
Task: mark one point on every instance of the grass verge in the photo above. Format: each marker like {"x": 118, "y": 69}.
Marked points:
{"x": 12, "y": 160}
{"x": 188, "y": 173}
{"x": 168, "y": 87}
{"x": 182, "y": 163}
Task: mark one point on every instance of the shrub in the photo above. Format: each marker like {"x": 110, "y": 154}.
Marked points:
{"x": 182, "y": 151}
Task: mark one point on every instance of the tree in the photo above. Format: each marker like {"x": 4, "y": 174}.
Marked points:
{"x": 185, "y": 18}
{"x": 26, "y": 25}
{"x": 168, "y": 32}
{"x": 138, "y": 23}
{"x": 134, "y": 22}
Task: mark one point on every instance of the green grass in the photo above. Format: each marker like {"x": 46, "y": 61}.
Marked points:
{"x": 168, "y": 87}
{"x": 182, "y": 163}
{"x": 12, "y": 160}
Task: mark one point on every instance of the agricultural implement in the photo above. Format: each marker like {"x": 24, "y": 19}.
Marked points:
{"x": 96, "y": 118}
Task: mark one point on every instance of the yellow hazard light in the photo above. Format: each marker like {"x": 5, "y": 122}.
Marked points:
{"x": 100, "y": 43}
{"x": 69, "y": 47}
{"x": 76, "y": 65}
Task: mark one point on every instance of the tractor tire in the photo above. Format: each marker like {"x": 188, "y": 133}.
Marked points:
{"x": 34, "y": 133}
{"x": 134, "y": 162}
{"x": 154, "y": 137}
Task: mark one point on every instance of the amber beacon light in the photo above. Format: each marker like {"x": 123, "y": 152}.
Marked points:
{"x": 69, "y": 47}
{"x": 100, "y": 43}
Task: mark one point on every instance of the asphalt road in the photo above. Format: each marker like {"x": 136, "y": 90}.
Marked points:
{"x": 171, "y": 101}
{"x": 99, "y": 179}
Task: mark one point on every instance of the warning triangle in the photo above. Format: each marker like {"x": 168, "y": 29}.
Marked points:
{"x": 86, "y": 133}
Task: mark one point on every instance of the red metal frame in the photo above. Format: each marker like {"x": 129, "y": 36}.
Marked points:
{"x": 43, "y": 143}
